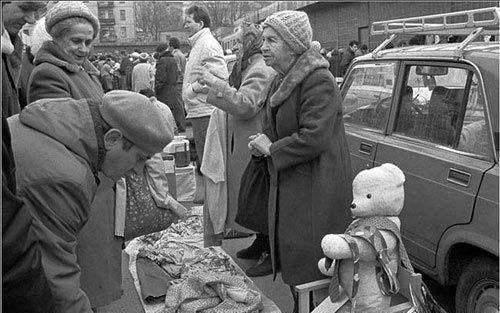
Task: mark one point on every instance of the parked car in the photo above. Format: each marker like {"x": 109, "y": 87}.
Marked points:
{"x": 433, "y": 111}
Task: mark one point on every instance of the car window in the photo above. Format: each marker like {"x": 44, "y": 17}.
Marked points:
{"x": 368, "y": 95}
{"x": 432, "y": 108}
{"x": 474, "y": 133}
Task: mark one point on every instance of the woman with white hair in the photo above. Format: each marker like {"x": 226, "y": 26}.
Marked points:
{"x": 62, "y": 69}
{"x": 304, "y": 141}
{"x": 33, "y": 43}
{"x": 142, "y": 74}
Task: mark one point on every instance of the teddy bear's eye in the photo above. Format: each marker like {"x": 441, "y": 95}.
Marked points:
{"x": 369, "y": 195}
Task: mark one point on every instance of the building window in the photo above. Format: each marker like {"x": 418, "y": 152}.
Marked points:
{"x": 123, "y": 32}
{"x": 122, "y": 15}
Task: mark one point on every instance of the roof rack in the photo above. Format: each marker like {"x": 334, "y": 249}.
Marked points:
{"x": 446, "y": 23}
{"x": 473, "y": 23}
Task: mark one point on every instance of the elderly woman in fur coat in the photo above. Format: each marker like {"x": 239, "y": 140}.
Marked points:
{"x": 304, "y": 140}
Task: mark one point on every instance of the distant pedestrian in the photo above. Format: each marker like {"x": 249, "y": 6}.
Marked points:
{"x": 363, "y": 49}
{"x": 107, "y": 75}
{"x": 348, "y": 56}
{"x": 142, "y": 74}
{"x": 166, "y": 78}
{"x": 335, "y": 59}
{"x": 180, "y": 58}
{"x": 125, "y": 71}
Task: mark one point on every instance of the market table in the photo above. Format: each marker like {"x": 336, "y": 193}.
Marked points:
{"x": 197, "y": 240}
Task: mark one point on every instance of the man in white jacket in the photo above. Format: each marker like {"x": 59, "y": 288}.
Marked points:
{"x": 206, "y": 54}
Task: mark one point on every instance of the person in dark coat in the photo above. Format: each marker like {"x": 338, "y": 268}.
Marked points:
{"x": 180, "y": 58}
{"x": 62, "y": 70}
{"x": 348, "y": 56}
{"x": 308, "y": 156}
{"x": 166, "y": 77}
{"x": 14, "y": 15}
{"x": 24, "y": 283}
{"x": 60, "y": 145}
{"x": 125, "y": 71}
{"x": 334, "y": 61}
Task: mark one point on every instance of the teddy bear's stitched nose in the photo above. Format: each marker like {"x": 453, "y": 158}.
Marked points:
{"x": 353, "y": 205}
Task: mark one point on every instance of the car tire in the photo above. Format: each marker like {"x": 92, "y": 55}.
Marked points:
{"x": 477, "y": 289}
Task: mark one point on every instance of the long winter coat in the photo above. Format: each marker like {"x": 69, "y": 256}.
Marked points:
{"x": 309, "y": 165}
{"x": 98, "y": 250}
{"x": 167, "y": 74}
{"x": 55, "y": 76}
{"x": 244, "y": 108}
{"x": 57, "y": 164}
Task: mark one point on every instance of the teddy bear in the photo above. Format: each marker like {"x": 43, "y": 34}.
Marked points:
{"x": 363, "y": 262}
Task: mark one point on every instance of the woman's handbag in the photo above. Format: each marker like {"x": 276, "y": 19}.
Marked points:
{"x": 142, "y": 215}
{"x": 253, "y": 196}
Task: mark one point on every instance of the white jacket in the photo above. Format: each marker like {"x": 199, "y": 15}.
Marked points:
{"x": 206, "y": 52}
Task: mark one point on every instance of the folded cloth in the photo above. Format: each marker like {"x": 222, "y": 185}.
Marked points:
{"x": 154, "y": 281}
{"x": 211, "y": 292}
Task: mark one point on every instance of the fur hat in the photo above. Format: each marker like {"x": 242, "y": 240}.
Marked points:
{"x": 138, "y": 118}
{"x": 293, "y": 27}
{"x": 67, "y": 9}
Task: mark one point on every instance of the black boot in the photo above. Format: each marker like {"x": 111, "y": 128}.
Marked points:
{"x": 259, "y": 245}
{"x": 263, "y": 268}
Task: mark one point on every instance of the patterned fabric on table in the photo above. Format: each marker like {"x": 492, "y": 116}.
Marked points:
{"x": 142, "y": 214}
{"x": 210, "y": 292}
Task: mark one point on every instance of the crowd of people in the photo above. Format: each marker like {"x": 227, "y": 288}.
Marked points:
{"x": 74, "y": 124}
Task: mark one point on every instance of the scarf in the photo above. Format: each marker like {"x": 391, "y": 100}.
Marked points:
{"x": 251, "y": 44}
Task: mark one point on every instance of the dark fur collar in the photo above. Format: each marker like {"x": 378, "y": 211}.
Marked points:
{"x": 51, "y": 53}
{"x": 307, "y": 63}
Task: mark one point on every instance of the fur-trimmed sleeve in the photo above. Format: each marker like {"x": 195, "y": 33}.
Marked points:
{"x": 246, "y": 101}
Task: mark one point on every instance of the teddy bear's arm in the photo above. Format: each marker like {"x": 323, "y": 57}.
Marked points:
{"x": 335, "y": 247}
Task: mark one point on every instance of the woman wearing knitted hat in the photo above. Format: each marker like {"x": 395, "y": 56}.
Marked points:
{"x": 62, "y": 69}
{"x": 307, "y": 152}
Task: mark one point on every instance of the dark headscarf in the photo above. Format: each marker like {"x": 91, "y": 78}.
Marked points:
{"x": 251, "y": 44}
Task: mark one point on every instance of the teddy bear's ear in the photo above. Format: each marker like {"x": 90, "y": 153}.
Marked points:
{"x": 394, "y": 171}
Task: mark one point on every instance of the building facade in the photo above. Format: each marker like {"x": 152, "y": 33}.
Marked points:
{"x": 336, "y": 23}
{"x": 117, "y": 19}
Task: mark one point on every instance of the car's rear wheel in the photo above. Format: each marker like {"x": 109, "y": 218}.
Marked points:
{"x": 477, "y": 289}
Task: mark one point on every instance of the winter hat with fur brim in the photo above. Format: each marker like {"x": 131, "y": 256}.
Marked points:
{"x": 138, "y": 118}
{"x": 67, "y": 9}
{"x": 293, "y": 27}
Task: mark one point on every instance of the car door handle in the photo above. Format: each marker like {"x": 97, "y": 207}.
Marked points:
{"x": 458, "y": 177}
{"x": 365, "y": 148}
